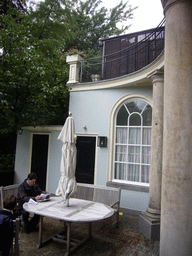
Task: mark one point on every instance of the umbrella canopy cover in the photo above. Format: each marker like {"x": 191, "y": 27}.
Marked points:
{"x": 67, "y": 186}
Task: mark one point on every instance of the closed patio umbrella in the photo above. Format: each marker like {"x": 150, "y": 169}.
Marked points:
{"x": 67, "y": 186}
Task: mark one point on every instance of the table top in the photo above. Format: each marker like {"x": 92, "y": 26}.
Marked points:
{"x": 78, "y": 210}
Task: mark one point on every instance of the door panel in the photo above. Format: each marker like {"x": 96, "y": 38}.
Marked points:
{"x": 85, "y": 159}
{"x": 39, "y": 158}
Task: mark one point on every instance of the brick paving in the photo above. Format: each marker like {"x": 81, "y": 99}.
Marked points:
{"x": 124, "y": 240}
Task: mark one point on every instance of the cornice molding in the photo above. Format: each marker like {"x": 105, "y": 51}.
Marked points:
{"x": 43, "y": 128}
{"x": 169, "y": 3}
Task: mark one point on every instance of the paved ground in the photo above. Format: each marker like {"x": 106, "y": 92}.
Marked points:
{"x": 125, "y": 240}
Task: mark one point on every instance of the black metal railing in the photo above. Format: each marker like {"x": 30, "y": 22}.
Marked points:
{"x": 125, "y": 61}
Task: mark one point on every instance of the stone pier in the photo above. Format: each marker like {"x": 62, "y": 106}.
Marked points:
{"x": 176, "y": 202}
{"x": 75, "y": 62}
{"x": 149, "y": 222}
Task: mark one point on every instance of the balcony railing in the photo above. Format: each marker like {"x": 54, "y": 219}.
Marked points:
{"x": 127, "y": 60}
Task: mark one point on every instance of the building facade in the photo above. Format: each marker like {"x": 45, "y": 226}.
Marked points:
{"x": 133, "y": 131}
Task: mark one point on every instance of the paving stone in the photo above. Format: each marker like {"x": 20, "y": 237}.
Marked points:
{"x": 124, "y": 240}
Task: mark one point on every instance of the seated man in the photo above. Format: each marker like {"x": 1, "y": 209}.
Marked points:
{"x": 7, "y": 215}
{"x": 26, "y": 191}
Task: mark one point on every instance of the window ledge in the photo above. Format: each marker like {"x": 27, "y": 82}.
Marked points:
{"x": 127, "y": 186}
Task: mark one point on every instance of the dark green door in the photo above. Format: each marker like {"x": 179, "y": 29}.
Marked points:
{"x": 39, "y": 158}
{"x": 85, "y": 159}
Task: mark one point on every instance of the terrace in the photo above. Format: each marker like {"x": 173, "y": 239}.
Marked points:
{"x": 125, "y": 240}
{"x": 123, "y": 55}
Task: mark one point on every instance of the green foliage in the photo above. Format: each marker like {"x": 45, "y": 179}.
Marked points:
{"x": 33, "y": 70}
{"x": 33, "y": 75}
{"x": 7, "y": 152}
{"x": 34, "y": 43}
{"x": 7, "y": 162}
{"x": 88, "y": 22}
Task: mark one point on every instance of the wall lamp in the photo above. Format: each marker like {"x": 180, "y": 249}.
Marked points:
{"x": 102, "y": 142}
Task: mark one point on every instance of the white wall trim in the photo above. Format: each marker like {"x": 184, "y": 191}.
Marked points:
{"x": 43, "y": 128}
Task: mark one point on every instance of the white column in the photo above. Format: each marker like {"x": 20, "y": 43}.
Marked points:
{"x": 176, "y": 203}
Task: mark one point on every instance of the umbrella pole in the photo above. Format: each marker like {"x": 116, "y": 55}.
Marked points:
{"x": 67, "y": 202}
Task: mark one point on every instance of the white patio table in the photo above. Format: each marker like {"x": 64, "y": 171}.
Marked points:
{"x": 77, "y": 211}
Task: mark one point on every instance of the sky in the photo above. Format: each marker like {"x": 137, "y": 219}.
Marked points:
{"x": 148, "y": 14}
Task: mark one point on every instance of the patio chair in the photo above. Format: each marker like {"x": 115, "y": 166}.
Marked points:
{"x": 101, "y": 194}
{"x": 9, "y": 235}
{"x": 109, "y": 196}
{"x": 7, "y": 191}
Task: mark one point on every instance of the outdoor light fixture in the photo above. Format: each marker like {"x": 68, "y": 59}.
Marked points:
{"x": 85, "y": 127}
{"x": 102, "y": 142}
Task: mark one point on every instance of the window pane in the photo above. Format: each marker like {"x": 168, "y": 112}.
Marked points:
{"x": 134, "y": 154}
{"x": 121, "y": 154}
{"x": 146, "y": 155}
{"x": 135, "y": 120}
{"x": 121, "y": 135}
{"x": 133, "y": 174}
{"x": 135, "y": 105}
{"x": 120, "y": 171}
{"x": 122, "y": 116}
{"x": 145, "y": 173}
{"x": 147, "y": 116}
{"x": 146, "y": 138}
{"x": 135, "y": 135}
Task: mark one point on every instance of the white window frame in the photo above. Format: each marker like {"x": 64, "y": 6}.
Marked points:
{"x": 112, "y": 139}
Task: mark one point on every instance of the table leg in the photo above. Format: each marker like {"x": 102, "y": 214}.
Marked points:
{"x": 72, "y": 244}
{"x": 41, "y": 243}
{"x": 75, "y": 243}
{"x": 90, "y": 229}
{"x": 40, "y": 230}
{"x": 68, "y": 237}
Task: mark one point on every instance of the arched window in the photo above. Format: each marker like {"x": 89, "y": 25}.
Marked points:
{"x": 133, "y": 142}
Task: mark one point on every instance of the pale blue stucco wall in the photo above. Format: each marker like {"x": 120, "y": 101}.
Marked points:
{"x": 92, "y": 108}
{"x": 23, "y": 156}
{"x": 54, "y": 162}
{"x": 134, "y": 200}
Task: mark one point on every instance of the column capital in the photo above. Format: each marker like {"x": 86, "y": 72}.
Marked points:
{"x": 156, "y": 72}
{"x": 156, "y": 75}
{"x": 168, "y": 3}
{"x": 74, "y": 59}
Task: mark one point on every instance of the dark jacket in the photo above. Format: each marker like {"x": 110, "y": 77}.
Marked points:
{"x": 25, "y": 192}
{"x": 6, "y": 231}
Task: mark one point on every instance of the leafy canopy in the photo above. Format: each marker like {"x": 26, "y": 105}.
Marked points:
{"x": 89, "y": 21}
{"x": 33, "y": 71}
